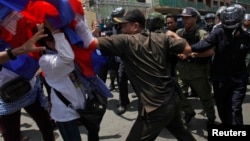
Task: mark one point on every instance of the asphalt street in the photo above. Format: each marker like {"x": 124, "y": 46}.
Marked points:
{"x": 116, "y": 128}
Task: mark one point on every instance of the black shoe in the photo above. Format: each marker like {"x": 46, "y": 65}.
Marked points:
{"x": 193, "y": 94}
{"x": 212, "y": 124}
{"x": 188, "y": 117}
{"x": 121, "y": 109}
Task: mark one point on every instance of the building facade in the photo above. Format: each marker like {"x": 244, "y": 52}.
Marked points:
{"x": 204, "y": 6}
{"x": 103, "y": 8}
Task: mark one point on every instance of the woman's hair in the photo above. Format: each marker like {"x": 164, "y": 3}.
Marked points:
{"x": 42, "y": 41}
{"x": 93, "y": 22}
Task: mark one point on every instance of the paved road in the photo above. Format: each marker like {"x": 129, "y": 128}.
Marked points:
{"x": 116, "y": 128}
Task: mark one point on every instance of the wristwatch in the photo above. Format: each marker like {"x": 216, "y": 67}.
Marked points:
{"x": 10, "y": 54}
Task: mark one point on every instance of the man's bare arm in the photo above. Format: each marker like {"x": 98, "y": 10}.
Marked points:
{"x": 28, "y": 46}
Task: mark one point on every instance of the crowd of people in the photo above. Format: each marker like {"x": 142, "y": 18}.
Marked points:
{"x": 162, "y": 64}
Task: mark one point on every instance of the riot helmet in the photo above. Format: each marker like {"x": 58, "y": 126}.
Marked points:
{"x": 108, "y": 22}
{"x": 239, "y": 6}
{"x": 219, "y": 10}
{"x": 247, "y": 17}
{"x": 209, "y": 19}
{"x": 155, "y": 21}
{"x": 117, "y": 12}
{"x": 232, "y": 16}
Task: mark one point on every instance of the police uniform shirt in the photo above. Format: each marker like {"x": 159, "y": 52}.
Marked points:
{"x": 146, "y": 63}
{"x": 230, "y": 51}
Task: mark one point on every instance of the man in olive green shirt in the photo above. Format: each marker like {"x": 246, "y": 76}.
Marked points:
{"x": 145, "y": 57}
{"x": 194, "y": 71}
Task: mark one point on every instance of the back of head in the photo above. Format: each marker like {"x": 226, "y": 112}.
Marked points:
{"x": 232, "y": 17}
{"x": 154, "y": 21}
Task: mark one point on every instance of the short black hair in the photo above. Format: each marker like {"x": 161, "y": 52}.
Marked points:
{"x": 172, "y": 16}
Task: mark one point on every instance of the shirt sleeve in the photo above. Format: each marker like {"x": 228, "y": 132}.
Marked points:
{"x": 63, "y": 47}
{"x": 113, "y": 45}
{"x": 209, "y": 42}
{"x": 61, "y": 61}
{"x": 176, "y": 46}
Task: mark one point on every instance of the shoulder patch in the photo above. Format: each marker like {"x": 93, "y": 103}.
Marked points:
{"x": 180, "y": 32}
{"x": 202, "y": 33}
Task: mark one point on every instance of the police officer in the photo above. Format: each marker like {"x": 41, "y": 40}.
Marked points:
{"x": 217, "y": 14}
{"x": 246, "y": 27}
{"x": 228, "y": 74}
{"x": 246, "y": 23}
{"x": 172, "y": 23}
{"x": 155, "y": 22}
{"x": 122, "y": 76}
{"x": 194, "y": 71}
{"x": 209, "y": 21}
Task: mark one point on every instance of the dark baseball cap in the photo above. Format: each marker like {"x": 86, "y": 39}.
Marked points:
{"x": 189, "y": 12}
{"x": 132, "y": 16}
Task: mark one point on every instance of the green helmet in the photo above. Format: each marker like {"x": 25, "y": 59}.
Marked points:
{"x": 155, "y": 21}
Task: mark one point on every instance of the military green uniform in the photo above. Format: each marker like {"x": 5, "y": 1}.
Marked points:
{"x": 194, "y": 72}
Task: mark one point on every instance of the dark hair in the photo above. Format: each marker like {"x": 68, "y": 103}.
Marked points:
{"x": 42, "y": 41}
{"x": 172, "y": 16}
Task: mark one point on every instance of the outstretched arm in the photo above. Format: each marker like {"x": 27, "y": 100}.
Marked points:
{"x": 28, "y": 46}
{"x": 206, "y": 53}
{"x": 187, "y": 50}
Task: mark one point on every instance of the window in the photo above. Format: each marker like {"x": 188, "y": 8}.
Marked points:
{"x": 215, "y": 3}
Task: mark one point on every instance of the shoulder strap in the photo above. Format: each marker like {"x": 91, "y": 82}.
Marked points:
{"x": 180, "y": 32}
{"x": 63, "y": 99}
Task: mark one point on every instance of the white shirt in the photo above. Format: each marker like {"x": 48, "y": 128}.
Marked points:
{"x": 6, "y": 75}
{"x": 57, "y": 68}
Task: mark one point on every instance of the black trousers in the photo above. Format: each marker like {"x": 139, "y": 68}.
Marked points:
{"x": 148, "y": 125}
{"x": 229, "y": 97}
{"x": 10, "y": 124}
{"x": 123, "y": 85}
